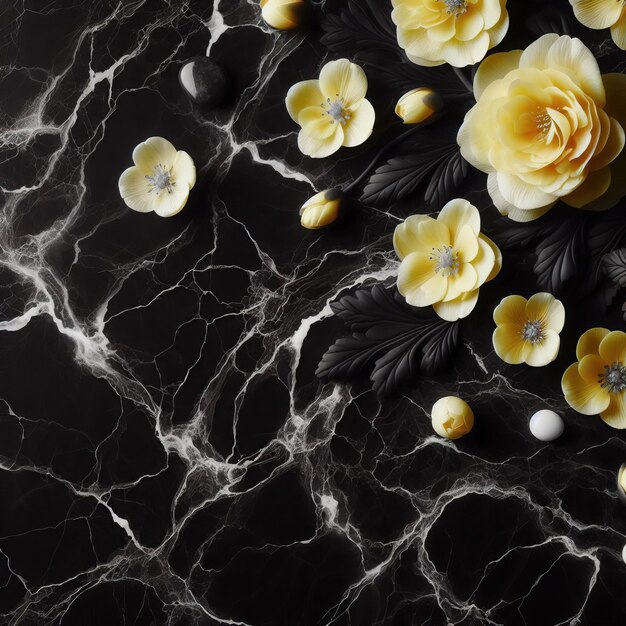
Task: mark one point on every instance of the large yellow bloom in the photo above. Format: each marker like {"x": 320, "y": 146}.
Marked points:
{"x": 332, "y": 111}
{"x": 600, "y": 14}
{"x": 445, "y": 260}
{"x": 458, "y": 32}
{"x": 527, "y": 331}
{"x": 542, "y": 128}
{"x": 596, "y": 384}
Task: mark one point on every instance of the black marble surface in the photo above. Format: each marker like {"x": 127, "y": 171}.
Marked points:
{"x": 167, "y": 455}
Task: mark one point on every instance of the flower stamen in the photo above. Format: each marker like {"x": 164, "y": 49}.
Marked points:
{"x": 456, "y": 7}
{"x": 533, "y": 332}
{"x": 446, "y": 260}
{"x": 161, "y": 180}
{"x": 613, "y": 378}
{"x": 336, "y": 111}
{"x": 543, "y": 121}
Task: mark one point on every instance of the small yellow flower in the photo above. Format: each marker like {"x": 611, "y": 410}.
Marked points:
{"x": 458, "y": 32}
{"x": 284, "y": 14}
{"x": 452, "y": 417}
{"x": 321, "y": 210}
{"x": 528, "y": 330}
{"x": 596, "y": 384}
{"x": 160, "y": 180}
{"x": 418, "y": 105}
{"x": 547, "y": 125}
{"x": 445, "y": 260}
{"x": 331, "y": 111}
{"x": 601, "y": 14}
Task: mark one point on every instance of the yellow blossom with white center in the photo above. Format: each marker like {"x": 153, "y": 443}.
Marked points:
{"x": 160, "y": 180}
{"x": 547, "y": 126}
{"x": 445, "y": 260}
{"x": 284, "y": 14}
{"x": 321, "y": 210}
{"x": 458, "y": 32}
{"x": 599, "y": 14}
{"x": 417, "y": 105}
{"x": 596, "y": 384}
{"x": 527, "y": 331}
{"x": 332, "y": 111}
{"x": 452, "y": 417}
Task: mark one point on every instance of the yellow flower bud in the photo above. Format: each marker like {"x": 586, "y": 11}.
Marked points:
{"x": 452, "y": 417}
{"x": 321, "y": 210}
{"x": 284, "y": 14}
{"x": 621, "y": 483}
{"x": 418, "y": 105}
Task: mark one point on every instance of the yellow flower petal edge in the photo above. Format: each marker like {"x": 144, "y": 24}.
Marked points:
{"x": 596, "y": 383}
{"x": 527, "y": 331}
{"x": 160, "y": 180}
{"x": 445, "y": 261}
{"x": 599, "y": 14}
{"x": 547, "y": 126}
{"x": 458, "y": 32}
{"x": 332, "y": 111}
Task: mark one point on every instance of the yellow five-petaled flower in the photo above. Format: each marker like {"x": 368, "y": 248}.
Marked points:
{"x": 333, "y": 110}
{"x": 596, "y": 384}
{"x": 445, "y": 260}
{"x": 527, "y": 331}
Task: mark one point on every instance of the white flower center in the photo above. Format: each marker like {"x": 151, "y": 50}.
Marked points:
{"x": 336, "y": 110}
{"x": 613, "y": 378}
{"x": 446, "y": 260}
{"x": 161, "y": 180}
{"x": 456, "y": 7}
{"x": 533, "y": 332}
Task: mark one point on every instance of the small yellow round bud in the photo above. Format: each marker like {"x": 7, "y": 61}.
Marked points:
{"x": 621, "y": 483}
{"x": 321, "y": 210}
{"x": 452, "y": 417}
{"x": 284, "y": 14}
{"x": 418, "y": 105}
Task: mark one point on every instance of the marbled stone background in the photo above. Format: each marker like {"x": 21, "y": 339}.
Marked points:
{"x": 167, "y": 455}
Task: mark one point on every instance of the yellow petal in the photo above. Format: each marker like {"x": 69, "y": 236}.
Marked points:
{"x": 545, "y": 308}
{"x": 512, "y": 311}
{"x": 302, "y": 96}
{"x": 541, "y": 354}
{"x": 509, "y": 345}
{"x": 618, "y": 31}
{"x": 169, "y": 204}
{"x": 458, "y": 308}
{"x": 493, "y": 68}
{"x": 612, "y": 348}
{"x": 615, "y": 414}
{"x": 152, "y": 152}
{"x": 360, "y": 125}
{"x": 588, "y": 398}
{"x": 595, "y": 185}
{"x": 420, "y": 233}
{"x": 184, "y": 170}
{"x": 314, "y": 140}
{"x": 134, "y": 190}
{"x": 458, "y": 213}
{"x": 589, "y": 342}
{"x": 465, "y": 280}
{"x": 484, "y": 262}
{"x": 521, "y": 194}
{"x": 342, "y": 79}
{"x": 596, "y": 14}
{"x": 497, "y": 266}
{"x": 590, "y": 367}
{"x": 416, "y": 269}
{"x": 466, "y": 244}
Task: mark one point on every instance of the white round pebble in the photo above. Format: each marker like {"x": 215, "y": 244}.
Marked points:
{"x": 624, "y": 553}
{"x": 546, "y": 425}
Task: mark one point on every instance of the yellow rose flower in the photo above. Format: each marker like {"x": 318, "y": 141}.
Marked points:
{"x": 600, "y": 14}
{"x": 596, "y": 384}
{"x": 452, "y": 417}
{"x": 542, "y": 128}
{"x": 458, "y": 32}
{"x": 528, "y": 330}
{"x": 417, "y": 105}
{"x": 445, "y": 260}
{"x": 332, "y": 111}
{"x": 284, "y": 14}
{"x": 321, "y": 210}
{"x": 160, "y": 180}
